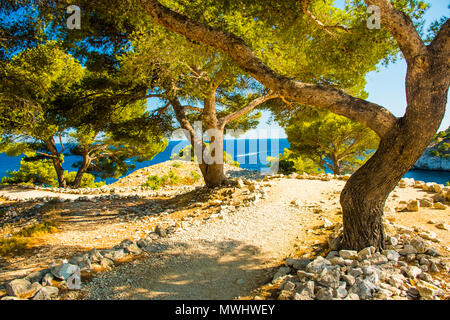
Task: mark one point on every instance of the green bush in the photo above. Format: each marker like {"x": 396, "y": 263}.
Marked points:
{"x": 42, "y": 172}
{"x": 290, "y": 162}
{"x": 87, "y": 181}
{"x": 39, "y": 172}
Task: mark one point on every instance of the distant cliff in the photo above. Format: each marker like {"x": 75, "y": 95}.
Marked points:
{"x": 437, "y": 155}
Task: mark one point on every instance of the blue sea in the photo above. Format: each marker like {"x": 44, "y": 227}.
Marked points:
{"x": 250, "y": 153}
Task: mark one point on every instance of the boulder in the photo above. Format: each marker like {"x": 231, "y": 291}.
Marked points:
{"x": 391, "y": 255}
{"x": 113, "y": 254}
{"x": 20, "y": 287}
{"x": 64, "y": 271}
{"x": 46, "y": 293}
{"x": 427, "y": 290}
{"x": 329, "y": 278}
{"x": 317, "y": 265}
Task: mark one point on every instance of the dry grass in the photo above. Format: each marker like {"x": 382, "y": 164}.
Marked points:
{"x": 24, "y": 238}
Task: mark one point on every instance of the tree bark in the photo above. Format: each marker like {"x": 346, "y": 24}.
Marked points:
{"x": 213, "y": 173}
{"x": 81, "y": 170}
{"x": 51, "y": 146}
{"x": 364, "y": 195}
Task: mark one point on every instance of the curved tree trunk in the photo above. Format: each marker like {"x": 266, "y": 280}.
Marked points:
{"x": 57, "y": 164}
{"x": 212, "y": 171}
{"x": 81, "y": 170}
{"x": 364, "y": 196}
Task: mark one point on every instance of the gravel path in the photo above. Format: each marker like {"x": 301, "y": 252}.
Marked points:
{"x": 221, "y": 259}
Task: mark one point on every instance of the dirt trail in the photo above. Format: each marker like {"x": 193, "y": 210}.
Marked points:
{"x": 222, "y": 259}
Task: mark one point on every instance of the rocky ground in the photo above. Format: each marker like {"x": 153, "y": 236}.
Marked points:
{"x": 271, "y": 238}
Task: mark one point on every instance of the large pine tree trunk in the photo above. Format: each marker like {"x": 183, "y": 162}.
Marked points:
{"x": 364, "y": 196}
{"x": 81, "y": 170}
{"x": 57, "y": 164}
{"x": 212, "y": 171}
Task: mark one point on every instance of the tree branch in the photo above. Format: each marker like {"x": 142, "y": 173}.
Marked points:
{"x": 192, "y": 108}
{"x": 374, "y": 116}
{"x": 400, "y": 26}
{"x": 249, "y": 107}
{"x": 441, "y": 42}
{"x": 319, "y": 23}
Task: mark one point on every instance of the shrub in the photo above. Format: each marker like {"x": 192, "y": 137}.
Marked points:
{"x": 42, "y": 172}
{"x": 87, "y": 181}
{"x": 176, "y": 165}
{"x": 21, "y": 239}
{"x": 32, "y": 172}
{"x": 289, "y": 162}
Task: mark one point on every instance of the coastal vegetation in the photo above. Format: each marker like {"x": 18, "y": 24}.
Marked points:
{"x": 331, "y": 141}
{"x": 219, "y": 64}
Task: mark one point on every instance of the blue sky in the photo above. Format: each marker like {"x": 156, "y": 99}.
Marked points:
{"x": 387, "y": 86}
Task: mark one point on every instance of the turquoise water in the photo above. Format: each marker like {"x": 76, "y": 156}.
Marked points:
{"x": 250, "y": 153}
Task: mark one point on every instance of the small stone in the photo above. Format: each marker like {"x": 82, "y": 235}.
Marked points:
{"x": 282, "y": 271}
{"x": 366, "y": 253}
{"x": 285, "y": 295}
{"x": 427, "y": 290}
{"x": 46, "y": 293}
{"x": 324, "y": 294}
{"x": 355, "y": 272}
{"x": 298, "y": 264}
{"x": 396, "y": 280}
{"x": 350, "y": 280}
{"x": 428, "y": 235}
{"x": 337, "y": 261}
{"x": 413, "y": 271}
{"x": 106, "y": 263}
{"x": 302, "y": 275}
{"x": 433, "y": 267}
{"x": 348, "y": 254}
{"x": 413, "y": 292}
{"x": 391, "y": 255}
{"x": 329, "y": 278}
{"x": 130, "y": 247}
{"x": 352, "y": 296}
{"x": 442, "y": 226}
{"x": 407, "y": 249}
{"x": 161, "y": 231}
{"x": 439, "y": 206}
{"x": 317, "y": 265}
{"x": 82, "y": 261}
{"x": 413, "y": 205}
{"x": 392, "y": 241}
{"x": 425, "y": 203}
{"x": 303, "y": 295}
{"x": 419, "y": 245}
{"x": 47, "y": 279}
{"x": 142, "y": 243}
{"x": 242, "y": 281}
{"x": 94, "y": 255}
{"x": 378, "y": 259}
{"x": 113, "y": 254}
{"x": 64, "y": 271}
{"x": 363, "y": 288}
{"x": 432, "y": 252}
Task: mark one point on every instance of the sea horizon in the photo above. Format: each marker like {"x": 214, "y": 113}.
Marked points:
{"x": 250, "y": 156}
